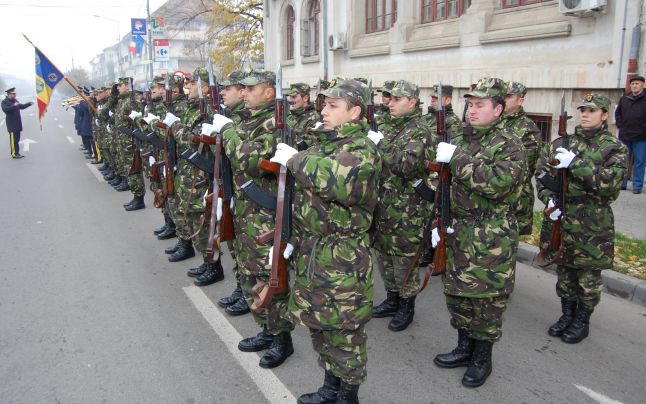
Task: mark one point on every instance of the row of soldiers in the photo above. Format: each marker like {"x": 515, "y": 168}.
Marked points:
{"x": 355, "y": 205}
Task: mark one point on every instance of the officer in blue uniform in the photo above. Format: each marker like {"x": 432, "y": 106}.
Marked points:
{"x": 11, "y": 107}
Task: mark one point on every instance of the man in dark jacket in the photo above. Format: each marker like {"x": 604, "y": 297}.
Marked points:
{"x": 11, "y": 108}
{"x": 84, "y": 127}
{"x": 630, "y": 116}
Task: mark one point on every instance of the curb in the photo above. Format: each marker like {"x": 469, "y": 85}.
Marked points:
{"x": 614, "y": 283}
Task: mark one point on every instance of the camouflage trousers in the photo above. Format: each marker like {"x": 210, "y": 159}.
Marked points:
{"x": 232, "y": 252}
{"x": 583, "y": 285}
{"x": 525, "y": 210}
{"x": 393, "y": 270}
{"x": 481, "y": 317}
{"x": 199, "y": 232}
{"x": 137, "y": 184}
{"x": 342, "y": 352}
{"x": 275, "y": 316}
{"x": 182, "y": 227}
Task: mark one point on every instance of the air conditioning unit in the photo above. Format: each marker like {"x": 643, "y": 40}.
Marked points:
{"x": 336, "y": 41}
{"x": 581, "y": 6}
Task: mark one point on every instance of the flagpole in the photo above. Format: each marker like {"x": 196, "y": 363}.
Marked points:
{"x": 74, "y": 87}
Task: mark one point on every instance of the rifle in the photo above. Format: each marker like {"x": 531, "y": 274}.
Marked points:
{"x": 319, "y": 100}
{"x": 170, "y": 151}
{"x": 216, "y": 102}
{"x": 263, "y": 292}
{"x": 370, "y": 111}
{"x": 137, "y": 165}
{"x": 553, "y": 250}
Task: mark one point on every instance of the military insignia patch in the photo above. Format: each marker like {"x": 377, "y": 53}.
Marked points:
{"x": 589, "y": 97}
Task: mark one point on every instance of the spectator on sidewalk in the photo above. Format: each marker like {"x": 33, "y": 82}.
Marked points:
{"x": 630, "y": 116}
{"x": 11, "y": 108}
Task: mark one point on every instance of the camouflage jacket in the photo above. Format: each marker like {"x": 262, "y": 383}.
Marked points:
{"x": 158, "y": 108}
{"x": 487, "y": 169}
{"x": 401, "y": 213}
{"x": 452, "y": 122}
{"x": 382, "y": 114}
{"x": 335, "y": 194}
{"x": 179, "y": 107}
{"x": 123, "y": 108}
{"x": 530, "y": 135}
{"x": 188, "y": 197}
{"x": 236, "y": 113}
{"x": 594, "y": 180}
{"x": 301, "y": 121}
{"x": 254, "y": 138}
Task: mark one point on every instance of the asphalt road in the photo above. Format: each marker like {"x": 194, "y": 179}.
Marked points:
{"x": 91, "y": 311}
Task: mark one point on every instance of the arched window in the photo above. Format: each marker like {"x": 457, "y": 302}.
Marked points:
{"x": 310, "y": 28}
{"x": 289, "y": 34}
{"x": 380, "y": 15}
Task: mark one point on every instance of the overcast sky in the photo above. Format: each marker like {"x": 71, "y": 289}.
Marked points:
{"x": 64, "y": 30}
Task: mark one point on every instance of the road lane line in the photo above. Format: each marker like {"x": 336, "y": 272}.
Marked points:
{"x": 598, "y": 397}
{"x": 2, "y": 123}
{"x": 69, "y": 139}
{"x": 60, "y": 126}
{"x": 270, "y": 385}
{"x": 95, "y": 172}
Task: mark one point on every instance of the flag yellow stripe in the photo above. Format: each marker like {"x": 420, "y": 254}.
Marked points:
{"x": 98, "y": 151}
{"x": 13, "y": 149}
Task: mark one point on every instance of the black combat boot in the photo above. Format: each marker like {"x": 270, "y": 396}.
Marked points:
{"x": 258, "y": 343}
{"x": 404, "y": 315}
{"x": 123, "y": 186}
{"x": 238, "y": 308}
{"x": 169, "y": 232}
{"x": 173, "y": 248}
{"x": 231, "y": 300}
{"x": 103, "y": 168}
{"x": 213, "y": 273}
{"x": 184, "y": 251}
{"x": 109, "y": 175}
{"x": 348, "y": 394}
{"x": 125, "y": 205}
{"x": 568, "y": 308}
{"x": 115, "y": 181}
{"x": 480, "y": 367}
{"x": 96, "y": 161}
{"x": 137, "y": 203}
{"x": 580, "y": 327}
{"x": 388, "y": 307}
{"x": 160, "y": 230}
{"x": 197, "y": 271}
{"x": 281, "y": 349}
{"x": 460, "y": 356}
{"x": 326, "y": 394}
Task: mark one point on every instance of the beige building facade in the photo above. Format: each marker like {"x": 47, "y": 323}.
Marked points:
{"x": 459, "y": 41}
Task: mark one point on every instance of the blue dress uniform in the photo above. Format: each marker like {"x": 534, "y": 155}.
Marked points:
{"x": 11, "y": 107}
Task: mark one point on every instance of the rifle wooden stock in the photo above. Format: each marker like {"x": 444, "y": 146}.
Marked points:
{"x": 210, "y": 140}
{"x": 227, "y": 231}
{"x": 161, "y": 125}
{"x": 269, "y": 167}
{"x": 262, "y": 292}
{"x": 265, "y": 238}
{"x": 155, "y": 174}
{"x": 160, "y": 199}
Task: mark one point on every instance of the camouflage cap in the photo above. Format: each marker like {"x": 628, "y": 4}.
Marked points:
{"x": 348, "y": 89}
{"x": 158, "y": 80}
{"x": 404, "y": 88}
{"x": 596, "y": 101}
{"x": 324, "y": 84}
{"x": 123, "y": 80}
{"x": 259, "y": 76}
{"x": 361, "y": 79}
{"x": 388, "y": 85}
{"x": 447, "y": 90}
{"x": 201, "y": 73}
{"x": 489, "y": 87}
{"x": 514, "y": 87}
{"x": 299, "y": 88}
{"x": 234, "y": 78}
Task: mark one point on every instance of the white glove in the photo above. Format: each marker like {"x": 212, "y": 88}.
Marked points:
{"x": 151, "y": 117}
{"x": 134, "y": 115}
{"x": 435, "y": 235}
{"x": 375, "y": 136}
{"x": 565, "y": 157}
{"x": 219, "y": 121}
{"x": 283, "y": 153}
{"x": 204, "y": 197}
{"x": 231, "y": 203}
{"x": 556, "y": 213}
{"x": 218, "y": 210}
{"x": 207, "y": 129}
{"x": 444, "y": 152}
{"x": 317, "y": 125}
{"x": 170, "y": 119}
{"x": 96, "y": 121}
{"x": 151, "y": 161}
{"x": 286, "y": 254}
{"x": 110, "y": 113}
{"x": 108, "y": 128}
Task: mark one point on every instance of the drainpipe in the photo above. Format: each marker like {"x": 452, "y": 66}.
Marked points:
{"x": 325, "y": 41}
{"x": 621, "y": 47}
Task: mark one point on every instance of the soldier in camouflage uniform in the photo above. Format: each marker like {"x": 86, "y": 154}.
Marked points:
{"x": 183, "y": 249}
{"x": 302, "y": 114}
{"x": 231, "y": 93}
{"x": 324, "y": 85}
{"x": 487, "y": 168}
{"x": 255, "y": 137}
{"x": 120, "y": 141}
{"x": 595, "y": 162}
{"x": 382, "y": 112}
{"x": 402, "y": 212}
{"x": 528, "y": 132}
{"x": 335, "y": 194}
{"x": 106, "y": 114}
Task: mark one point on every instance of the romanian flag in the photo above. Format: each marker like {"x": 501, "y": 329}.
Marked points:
{"x": 47, "y": 77}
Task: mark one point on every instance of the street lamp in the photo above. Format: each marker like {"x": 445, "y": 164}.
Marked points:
{"x": 118, "y": 40}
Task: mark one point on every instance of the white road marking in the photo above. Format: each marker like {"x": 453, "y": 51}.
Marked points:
{"x": 69, "y": 139}
{"x": 60, "y": 126}
{"x": 272, "y": 388}
{"x": 56, "y": 119}
{"x": 598, "y": 397}
{"x": 95, "y": 172}
{"x": 25, "y": 143}
{"x": 2, "y": 123}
